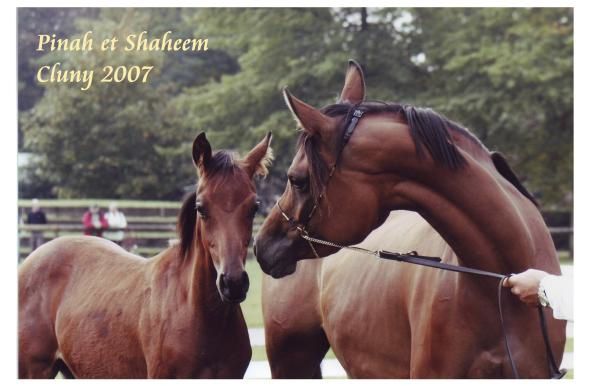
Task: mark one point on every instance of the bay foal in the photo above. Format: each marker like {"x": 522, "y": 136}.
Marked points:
{"x": 90, "y": 309}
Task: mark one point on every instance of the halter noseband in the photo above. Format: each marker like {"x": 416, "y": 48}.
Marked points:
{"x": 301, "y": 226}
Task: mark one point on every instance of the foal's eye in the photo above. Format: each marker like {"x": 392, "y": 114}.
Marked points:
{"x": 201, "y": 210}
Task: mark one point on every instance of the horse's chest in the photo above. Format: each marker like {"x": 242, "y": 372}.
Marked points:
{"x": 198, "y": 352}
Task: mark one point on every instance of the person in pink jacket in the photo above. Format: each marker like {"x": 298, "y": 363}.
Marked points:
{"x": 94, "y": 221}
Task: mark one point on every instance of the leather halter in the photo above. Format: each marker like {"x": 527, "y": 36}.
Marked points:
{"x": 301, "y": 226}
{"x": 414, "y": 258}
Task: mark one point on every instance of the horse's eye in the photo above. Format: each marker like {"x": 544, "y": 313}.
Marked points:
{"x": 201, "y": 210}
{"x": 298, "y": 183}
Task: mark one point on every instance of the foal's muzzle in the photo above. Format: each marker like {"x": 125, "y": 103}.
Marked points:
{"x": 233, "y": 289}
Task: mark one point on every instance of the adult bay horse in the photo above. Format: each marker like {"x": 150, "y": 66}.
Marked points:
{"x": 90, "y": 309}
{"x": 387, "y": 319}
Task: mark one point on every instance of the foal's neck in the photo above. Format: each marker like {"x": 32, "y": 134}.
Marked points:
{"x": 190, "y": 280}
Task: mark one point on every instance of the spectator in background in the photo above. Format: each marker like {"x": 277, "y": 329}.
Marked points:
{"x": 36, "y": 216}
{"x": 117, "y": 223}
{"x": 94, "y": 221}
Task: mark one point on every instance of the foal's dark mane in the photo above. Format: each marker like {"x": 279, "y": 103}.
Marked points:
{"x": 429, "y": 130}
{"x": 221, "y": 165}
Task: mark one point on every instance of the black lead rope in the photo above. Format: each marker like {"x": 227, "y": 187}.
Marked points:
{"x": 499, "y": 297}
{"x": 555, "y": 372}
{"x": 435, "y": 262}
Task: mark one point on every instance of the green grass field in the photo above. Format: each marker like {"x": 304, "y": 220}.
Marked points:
{"x": 251, "y": 307}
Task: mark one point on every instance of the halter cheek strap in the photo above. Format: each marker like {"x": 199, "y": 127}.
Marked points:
{"x": 301, "y": 226}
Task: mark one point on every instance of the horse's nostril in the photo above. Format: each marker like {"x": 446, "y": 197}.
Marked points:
{"x": 254, "y": 248}
{"x": 245, "y": 281}
{"x": 234, "y": 287}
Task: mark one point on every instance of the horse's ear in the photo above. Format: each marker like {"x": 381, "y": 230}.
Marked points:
{"x": 201, "y": 153}
{"x": 354, "y": 88}
{"x": 259, "y": 158}
{"x": 308, "y": 118}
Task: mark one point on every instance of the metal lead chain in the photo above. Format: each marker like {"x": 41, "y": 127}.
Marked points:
{"x": 311, "y": 240}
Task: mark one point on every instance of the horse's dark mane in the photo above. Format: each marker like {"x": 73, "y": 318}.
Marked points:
{"x": 429, "y": 130}
{"x": 221, "y": 165}
{"x": 505, "y": 170}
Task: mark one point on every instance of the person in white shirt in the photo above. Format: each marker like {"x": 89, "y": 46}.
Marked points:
{"x": 117, "y": 223}
{"x": 536, "y": 287}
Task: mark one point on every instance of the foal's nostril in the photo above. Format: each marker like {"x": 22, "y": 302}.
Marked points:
{"x": 254, "y": 248}
{"x": 223, "y": 282}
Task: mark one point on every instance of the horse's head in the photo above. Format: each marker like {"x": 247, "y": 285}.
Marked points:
{"x": 222, "y": 209}
{"x": 342, "y": 208}
{"x": 401, "y": 157}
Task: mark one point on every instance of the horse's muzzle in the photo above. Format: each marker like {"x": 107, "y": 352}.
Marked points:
{"x": 274, "y": 256}
{"x": 233, "y": 289}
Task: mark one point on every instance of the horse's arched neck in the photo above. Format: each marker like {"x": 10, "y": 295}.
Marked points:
{"x": 487, "y": 222}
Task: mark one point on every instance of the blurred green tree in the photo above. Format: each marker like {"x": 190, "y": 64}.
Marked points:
{"x": 31, "y": 22}
{"x": 504, "y": 73}
{"x": 305, "y": 49}
{"x": 507, "y": 74}
{"x": 116, "y": 140}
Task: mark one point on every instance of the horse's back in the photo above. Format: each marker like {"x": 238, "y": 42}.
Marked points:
{"x": 66, "y": 287}
{"x": 67, "y": 250}
{"x": 65, "y": 261}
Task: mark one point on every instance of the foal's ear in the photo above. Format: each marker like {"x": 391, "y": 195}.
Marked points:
{"x": 201, "y": 153}
{"x": 259, "y": 158}
{"x": 354, "y": 88}
{"x": 308, "y": 118}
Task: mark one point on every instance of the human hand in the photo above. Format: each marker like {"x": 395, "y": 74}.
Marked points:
{"x": 526, "y": 285}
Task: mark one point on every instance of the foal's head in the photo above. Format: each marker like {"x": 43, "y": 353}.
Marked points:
{"x": 219, "y": 215}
